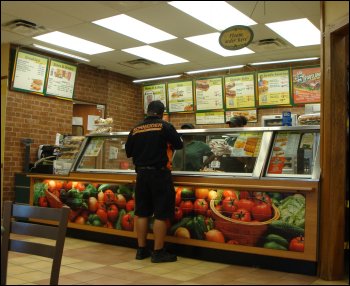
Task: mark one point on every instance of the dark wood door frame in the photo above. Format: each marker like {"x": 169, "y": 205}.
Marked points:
{"x": 334, "y": 102}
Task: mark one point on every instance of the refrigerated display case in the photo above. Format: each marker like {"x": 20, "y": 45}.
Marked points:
{"x": 255, "y": 190}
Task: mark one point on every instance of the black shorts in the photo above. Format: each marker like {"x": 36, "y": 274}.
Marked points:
{"x": 154, "y": 194}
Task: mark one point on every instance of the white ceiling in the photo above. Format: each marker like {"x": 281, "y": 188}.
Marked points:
{"x": 75, "y": 17}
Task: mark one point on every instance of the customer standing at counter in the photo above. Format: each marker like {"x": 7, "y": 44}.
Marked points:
{"x": 150, "y": 144}
{"x": 237, "y": 121}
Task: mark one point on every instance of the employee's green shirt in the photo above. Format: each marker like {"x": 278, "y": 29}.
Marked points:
{"x": 193, "y": 158}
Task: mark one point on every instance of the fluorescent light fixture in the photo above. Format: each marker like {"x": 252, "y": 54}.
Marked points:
{"x": 216, "y": 69}
{"x": 156, "y": 78}
{"x": 155, "y": 55}
{"x": 60, "y": 53}
{"x": 135, "y": 29}
{"x": 285, "y": 61}
{"x": 217, "y": 14}
{"x": 72, "y": 43}
{"x": 299, "y": 32}
{"x": 211, "y": 43}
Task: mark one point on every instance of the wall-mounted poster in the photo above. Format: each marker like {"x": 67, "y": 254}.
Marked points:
{"x": 274, "y": 88}
{"x": 154, "y": 92}
{"x": 180, "y": 96}
{"x": 240, "y": 91}
{"x": 307, "y": 85}
{"x": 212, "y": 117}
{"x": 61, "y": 79}
{"x": 209, "y": 94}
{"x": 29, "y": 72}
{"x": 250, "y": 114}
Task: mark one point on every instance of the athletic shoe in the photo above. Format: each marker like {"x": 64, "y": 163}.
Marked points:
{"x": 163, "y": 256}
{"x": 142, "y": 253}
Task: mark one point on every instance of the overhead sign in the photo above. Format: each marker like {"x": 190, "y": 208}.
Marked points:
{"x": 236, "y": 37}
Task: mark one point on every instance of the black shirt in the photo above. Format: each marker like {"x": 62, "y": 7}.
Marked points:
{"x": 151, "y": 142}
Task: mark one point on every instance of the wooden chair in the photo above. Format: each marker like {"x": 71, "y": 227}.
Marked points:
{"x": 19, "y": 219}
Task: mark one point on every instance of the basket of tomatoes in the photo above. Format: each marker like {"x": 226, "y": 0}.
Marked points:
{"x": 244, "y": 220}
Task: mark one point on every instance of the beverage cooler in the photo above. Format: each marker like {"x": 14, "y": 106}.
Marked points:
{"x": 255, "y": 192}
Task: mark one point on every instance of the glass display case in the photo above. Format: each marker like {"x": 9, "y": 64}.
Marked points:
{"x": 236, "y": 189}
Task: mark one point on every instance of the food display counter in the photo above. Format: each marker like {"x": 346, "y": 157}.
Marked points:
{"x": 252, "y": 190}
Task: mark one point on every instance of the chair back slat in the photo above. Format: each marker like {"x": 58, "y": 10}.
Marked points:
{"x": 27, "y": 211}
{"x": 32, "y": 248}
{"x": 20, "y": 219}
{"x": 26, "y": 228}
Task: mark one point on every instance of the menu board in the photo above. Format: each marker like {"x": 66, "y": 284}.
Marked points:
{"x": 240, "y": 91}
{"x": 250, "y": 114}
{"x": 307, "y": 85}
{"x": 209, "y": 94}
{"x": 180, "y": 96}
{"x": 30, "y": 72}
{"x": 274, "y": 88}
{"x": 61, "y": 79}
{"x": 214, "y": 117}
{"x": 154, "y": 92}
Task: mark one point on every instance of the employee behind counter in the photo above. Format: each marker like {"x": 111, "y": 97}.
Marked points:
{"x": 190, "y": 158}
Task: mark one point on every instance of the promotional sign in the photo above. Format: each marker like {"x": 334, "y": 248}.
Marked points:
{"x": 236, "y": 37}
{"x": 154, "y": 92}
{"x": 307, "y": 85}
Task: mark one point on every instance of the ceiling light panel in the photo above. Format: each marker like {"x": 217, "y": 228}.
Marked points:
{"x": 135, "y": 29}
{"x": 217, "y": 14}
{"x": 299, "y": 32}
{"x": 60, "y": 52}
{"x": 211, "y": 43}
{"x": 155, "y": 55}
{"x": 72, "y": 43}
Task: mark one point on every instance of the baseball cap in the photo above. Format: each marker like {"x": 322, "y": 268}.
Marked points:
{"x": 187, "y": 126}
{"x": 156, "y": 107}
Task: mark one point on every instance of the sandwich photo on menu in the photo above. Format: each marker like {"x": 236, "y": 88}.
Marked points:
{"x": 202, "y": 85}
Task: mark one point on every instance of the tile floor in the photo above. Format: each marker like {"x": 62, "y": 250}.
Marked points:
{"x": 91, "y": 263}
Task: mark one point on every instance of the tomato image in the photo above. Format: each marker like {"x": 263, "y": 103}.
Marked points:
{"x": 187, "y": 207}
{"x": 245, "y": 195}
{"x": 241, "y": 215}
{"x": 108, "y": 196}
{"x": 229, "y": 193}
{"x": 245, "y": 204}
{"x": 262, "y": 211}
{"x": 262, "y": 197}
{"x": 178, "y": 214}
{"x": 201, "y": 193}
{"x": 297, "y": 244}
{"x": 200, "y": 206}
{"x": 112, "y": 213}
{"x": 215, "y": 236}
{"x": 128, "y": 222}
{"x": 130, "y": 205}
{"x": 229, "y": 205}
{"x": 102, "y": 213}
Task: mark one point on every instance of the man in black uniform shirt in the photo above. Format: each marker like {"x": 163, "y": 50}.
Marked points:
{"x": 150, "y": 144}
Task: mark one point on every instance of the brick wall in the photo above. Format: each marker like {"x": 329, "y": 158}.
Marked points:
{"x": 40, "y": 118}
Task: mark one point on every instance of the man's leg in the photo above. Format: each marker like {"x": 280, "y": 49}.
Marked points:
{"x": 141, "y": 230}
{"x": 159, "y": 230}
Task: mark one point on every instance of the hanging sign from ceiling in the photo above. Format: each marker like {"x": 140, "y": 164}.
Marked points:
{"x": 236, "y": 37}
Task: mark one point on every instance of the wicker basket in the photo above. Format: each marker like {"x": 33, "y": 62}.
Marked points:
{"x": 245, "y": 233}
